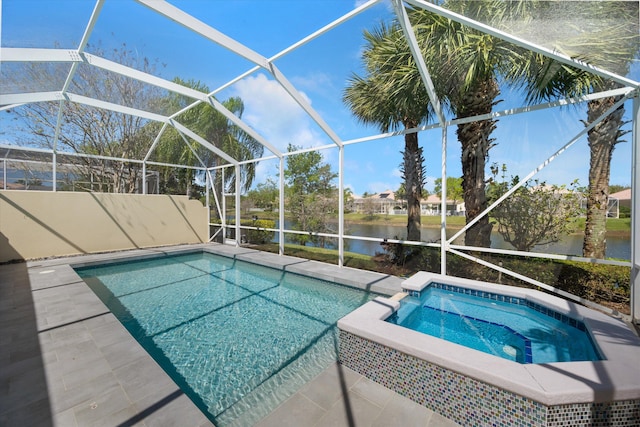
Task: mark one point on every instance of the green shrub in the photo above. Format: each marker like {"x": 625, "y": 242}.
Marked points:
{"x": 259, "y": 236}
{"x": 596, "y": 282}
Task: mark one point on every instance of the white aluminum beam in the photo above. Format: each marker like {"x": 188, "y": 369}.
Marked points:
{"x": 542, "y": 285}
{"x": 90, "y": 25}
{"x": 80, "y": 99}
{"x": 155, "y": 141}
{"x": 236, "y": 170}
{"x": 242, "y": 125}
{"x": 302, "y": 42}
{"x": 223, "y": 40}
{"x": 215, "y": 195}
{"x": 25, "y": 54}
{"x": 497, "y": 114}
{"x": 60, "y": 55}
{"x": 341, "y": 206}
{"x": 56, "y": 137}
{"x": 99, "y": 157}
{"x": 83, "y": 42}
{"x": 27, "y": 98}
{"x": 89, "y": 156}
{"x": 538, "y": 169}
{"x": 180, "y": 89}
{"x": 541, "y": 255}
{"x": 186, "y": 142}
{"x": 443, "y": 205}
{"x": 281, "y": 207}
{"x": 191, "y": 134}
{"x": 9, "y": 106}
{"x": 193, "y": 24}
{"x": 117, "y": 68}
{"x": 407, "y": 30}
{"x": 523, "y": 43}
{"x": 302, "y": 102}
{"x": 635, "y": 213}
{"x": 625, "y": 91}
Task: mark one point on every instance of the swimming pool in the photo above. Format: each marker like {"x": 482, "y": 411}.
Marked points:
{"x": 508, "y": 327}
{"x": 238, "y": 338}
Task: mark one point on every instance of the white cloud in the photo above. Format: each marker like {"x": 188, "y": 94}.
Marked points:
{"x": 379, "y": 186}
{"x": 429, "y": 183}
{"x": 314, "y": 82}
{"x": 274, "y": 114}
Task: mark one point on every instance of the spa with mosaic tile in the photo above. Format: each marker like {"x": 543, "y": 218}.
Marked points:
{"x": 475, "y": 388}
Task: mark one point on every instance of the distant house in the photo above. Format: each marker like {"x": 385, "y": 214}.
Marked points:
{"x": 432, "y": 205}
{"x": 380, "y": 203}
{"x": 621, "y": 198}
{"x": 387, "y": 204}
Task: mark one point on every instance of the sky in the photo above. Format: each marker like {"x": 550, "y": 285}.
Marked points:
{"x": 319, "y": 71}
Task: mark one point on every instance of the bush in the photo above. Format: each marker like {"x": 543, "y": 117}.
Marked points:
{"x": 259, "y": 236}
{"x": 625, "y": 212}
{"x": 608, "y": 285}
{"x": 596, "y": 282}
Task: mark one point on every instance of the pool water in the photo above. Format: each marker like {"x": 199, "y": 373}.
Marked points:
{"x": 238, "y": 338}
{"x": 507, "y": 327}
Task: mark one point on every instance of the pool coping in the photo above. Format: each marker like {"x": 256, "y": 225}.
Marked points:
{"x": 614, "y": 379}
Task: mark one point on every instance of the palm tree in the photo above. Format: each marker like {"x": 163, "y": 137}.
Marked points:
{"x": 392, "y": 97}
{"x": 214, "y": 127}
{"x": 610, "y": 40}
{"x": 465, "y": 64}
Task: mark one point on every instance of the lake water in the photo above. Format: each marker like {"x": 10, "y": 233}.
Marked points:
{"x": 617, "y": 247}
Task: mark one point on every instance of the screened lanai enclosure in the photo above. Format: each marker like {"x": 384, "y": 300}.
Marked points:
{"x": 292, "y": 111}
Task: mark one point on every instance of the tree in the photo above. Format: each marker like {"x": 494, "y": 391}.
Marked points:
{"x": 89, "y": 130}
{"x": 311, "y": 195}
{"x": 536, "y": 213}
{"x": 215, "y": 128}
{"x": 384, "y": 98}
{"x": 465, "y": 64}
{"x": 265, "y": 195}
{"x": 607, "y": 37}
{"x": 369, "y": 207}
{"x": 454, "y": 188}
{"x": 348, "y": 199}
{"x": 401, "y": 192}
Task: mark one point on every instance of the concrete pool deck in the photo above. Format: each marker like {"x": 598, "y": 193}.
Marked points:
{"x": 65, "y": 360}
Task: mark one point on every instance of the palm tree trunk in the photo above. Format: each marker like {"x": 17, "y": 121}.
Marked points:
{"x": 602, "y": 140}
{"x": 475, "y": 141}
{"x": 413, "y": 183}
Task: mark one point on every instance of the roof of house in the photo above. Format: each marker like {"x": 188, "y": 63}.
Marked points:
{"x": 434, "y": 198}
{"x": 622, "y": 195}
{"x": 387, "y": 195}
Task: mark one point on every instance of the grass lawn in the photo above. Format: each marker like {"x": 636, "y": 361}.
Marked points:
{"x": 616, "y": 225}
{"x": 619, "y": 226}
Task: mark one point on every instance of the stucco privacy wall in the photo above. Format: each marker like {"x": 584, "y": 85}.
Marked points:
{"x": 36, "y": 224}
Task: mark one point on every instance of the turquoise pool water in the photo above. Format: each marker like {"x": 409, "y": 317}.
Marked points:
{"x": 507, "y": 327}
{"x": 238, "y": 338}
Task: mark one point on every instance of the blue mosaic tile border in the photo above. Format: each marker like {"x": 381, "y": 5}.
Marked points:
{"x": 508, "y": 299}
{"x": 470, "y": 402}
{"x": 528, "y": 354}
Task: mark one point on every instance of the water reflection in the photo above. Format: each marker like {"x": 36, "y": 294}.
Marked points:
{"x": 617, "y": 247}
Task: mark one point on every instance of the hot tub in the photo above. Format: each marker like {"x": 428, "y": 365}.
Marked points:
{"x": 476, "y": 388}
